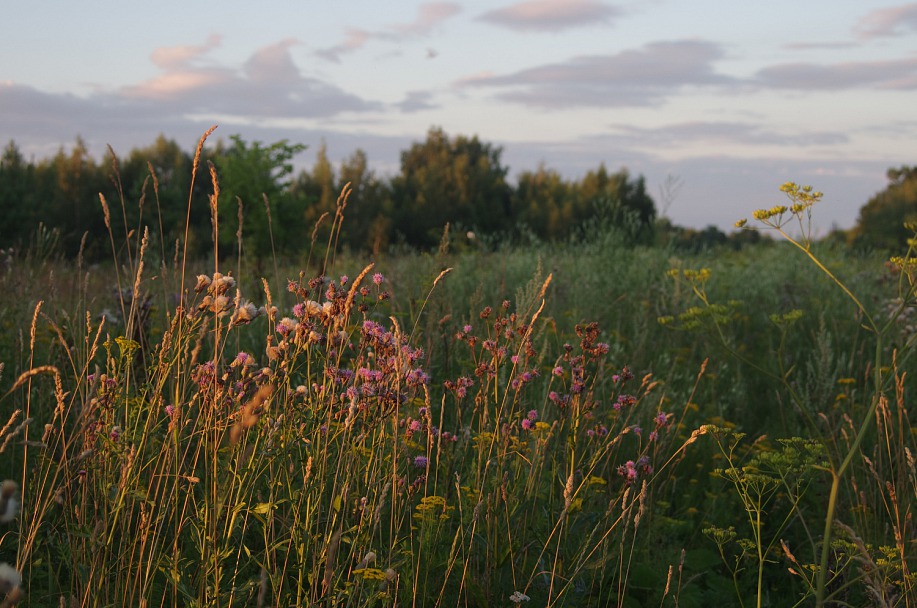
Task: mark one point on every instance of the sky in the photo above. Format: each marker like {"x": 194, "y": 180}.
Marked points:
{"x": 715, "y": 102}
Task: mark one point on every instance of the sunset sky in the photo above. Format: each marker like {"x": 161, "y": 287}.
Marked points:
{"x": 732, "y": 98}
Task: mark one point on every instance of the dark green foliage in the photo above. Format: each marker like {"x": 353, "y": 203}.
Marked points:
{"x": 255, "y": 176}
{"x": 458, "y": 181}
{"x": 882, "y": 219}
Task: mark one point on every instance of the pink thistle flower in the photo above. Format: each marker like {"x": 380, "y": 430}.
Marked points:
{"x": 378, "y": 278}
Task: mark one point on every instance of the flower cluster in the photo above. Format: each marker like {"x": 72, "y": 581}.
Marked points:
{"x": 631, "y": 470}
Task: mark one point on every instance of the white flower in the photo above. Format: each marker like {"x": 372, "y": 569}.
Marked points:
{"x": 9, "y": 503}
{"x": 9, "y": 578}
{"x": 518, "y": 597}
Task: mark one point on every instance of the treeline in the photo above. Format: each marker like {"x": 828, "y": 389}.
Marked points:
{"x": 460, "y": 181}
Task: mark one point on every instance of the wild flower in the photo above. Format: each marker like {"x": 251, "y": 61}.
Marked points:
{"x": 9, "y": 502}
{"x": 378, "y": 278}
{"x": 518, "y": 597}
{"x": 421, "y": 462}
{"x": 10, "y": 579}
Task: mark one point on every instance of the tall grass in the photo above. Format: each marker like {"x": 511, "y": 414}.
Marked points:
{"x": 473, "y": 427}
{"x": 305, "y": 454}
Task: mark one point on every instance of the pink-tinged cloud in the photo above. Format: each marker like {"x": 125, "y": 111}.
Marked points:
{"x": 269, "y": 85}
{"x": 429, "y": 15}
{"x": 640, "y": 77}
{"x": 355, "y": 39}
{"x": 174, "y": 57}
{"x": 898, "y": 74}
{"x": 896, "y": 21}
{"x": 175, "y": 84}
{"x": 272, "y": 64}
{"x": 551, "y": 15}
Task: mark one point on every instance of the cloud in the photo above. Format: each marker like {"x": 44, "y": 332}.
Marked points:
{"x": 551, "y": 15}
{"x": 888, "y": 22}
{"x": 631, "y": 78}
{"x": 900, "y": 74}
{"x": 176, "y": 57}
{"x": 429, "y": 15}
{"x": 416, "y": 101}
{"x": 719, "y": 132}
{"x": 269, "y": 85}
{"x": 807, "y": 46}
{"x": 355, "y": 39}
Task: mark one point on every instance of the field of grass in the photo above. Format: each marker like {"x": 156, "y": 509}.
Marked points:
{"x": 587, "y": 424}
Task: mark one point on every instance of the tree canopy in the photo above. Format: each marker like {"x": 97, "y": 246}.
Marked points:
{"x": 461, "y": 181}
{"x": 882, "y": 218}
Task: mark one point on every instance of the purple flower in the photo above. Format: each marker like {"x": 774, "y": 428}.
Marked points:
{"x": 532, "y": 415}
{"x": 170, "y": 410}
{"x": 526, "y": 424}
{"x": 558, "y": 371}
{"x": 378, "y": 278}
{"x": 344, "y": 279}
{"x": 421, "y": 462}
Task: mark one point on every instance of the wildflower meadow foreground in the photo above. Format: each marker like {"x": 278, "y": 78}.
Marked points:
{"x": 326, "y": 440}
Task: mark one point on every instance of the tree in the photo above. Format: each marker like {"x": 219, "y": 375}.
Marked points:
{"x": 368, "y": 225}
{"x": 67, "y": 198}
{"x": 251, "y": 172}
{"x": 617, "y": 187}
{"x": 17, "y": 190}
{"x": 456, "y": 181}
{"x": 166, "y": 204}
{"x": 315, "y": 191}
{"x": 882, "y": 218}
{"x": 542, "y": 203}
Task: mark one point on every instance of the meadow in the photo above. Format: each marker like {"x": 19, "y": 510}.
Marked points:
{"x": 589, "y": 423}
